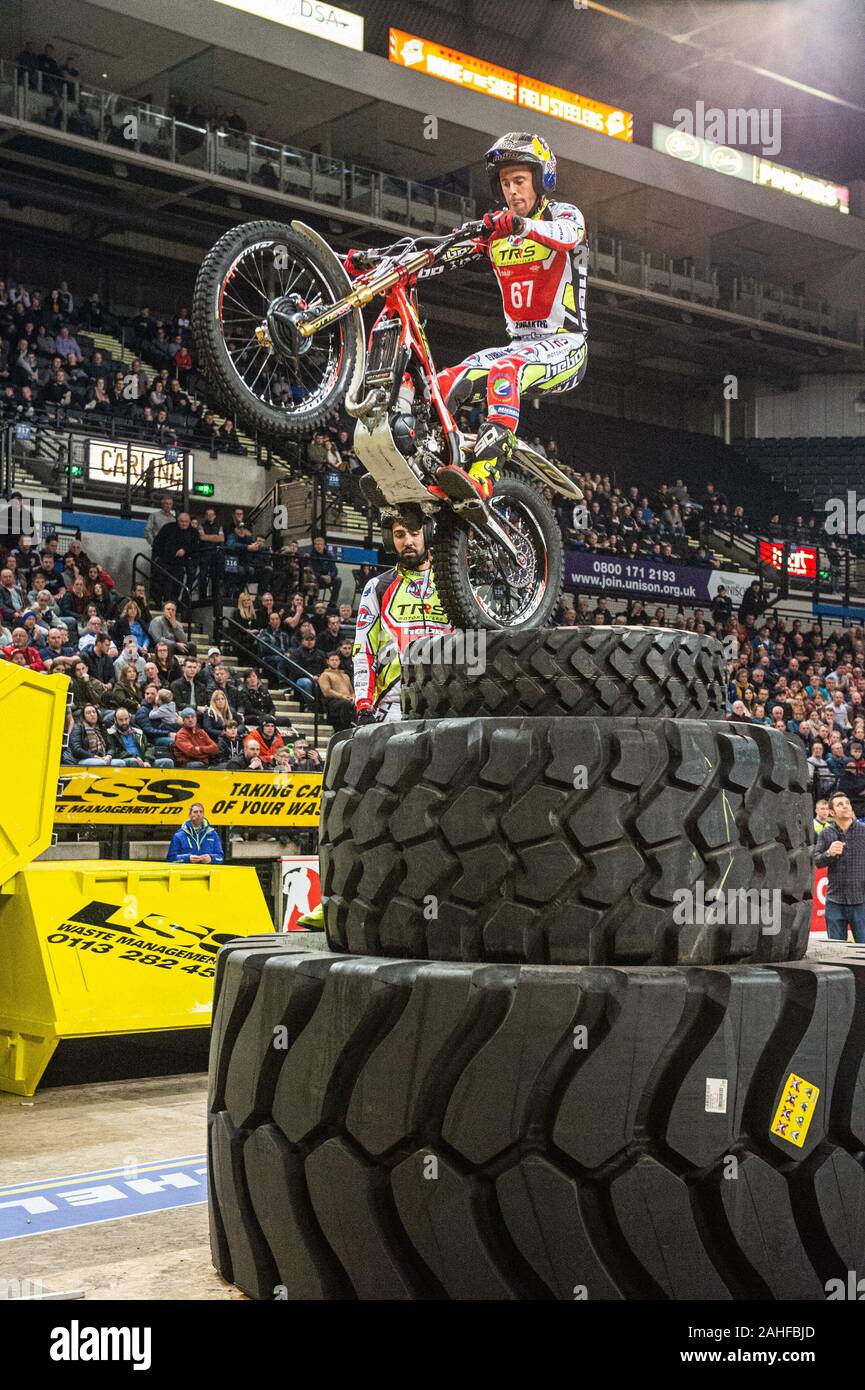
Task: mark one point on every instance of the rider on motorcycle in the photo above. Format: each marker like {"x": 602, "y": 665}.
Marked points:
{"x": 539, "y": 255}
{"x": 395, "y": 608}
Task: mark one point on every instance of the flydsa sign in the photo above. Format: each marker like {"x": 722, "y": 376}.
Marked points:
{"x": 316, "y": 17}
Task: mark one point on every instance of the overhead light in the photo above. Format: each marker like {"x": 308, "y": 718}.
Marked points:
{"x": 105, "y": 74}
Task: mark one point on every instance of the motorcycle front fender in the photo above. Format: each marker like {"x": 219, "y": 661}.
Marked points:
{"x": 340, "y": 278}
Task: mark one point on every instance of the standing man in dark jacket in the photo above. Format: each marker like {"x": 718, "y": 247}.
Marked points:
{"x": 323, "y": 566}
{"x": 211, "y": 536}
{"x": 841, "y": 850}
{"x": 753, "y": 602}
{"x": 176, "y": 548}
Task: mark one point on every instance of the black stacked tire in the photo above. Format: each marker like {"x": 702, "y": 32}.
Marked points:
{"x": 590, "y": 671}
{"x": 417, "y": 1130}
{"x": 567, "y": 841}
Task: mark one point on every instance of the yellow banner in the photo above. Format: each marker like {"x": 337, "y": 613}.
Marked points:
{"x": 117, "y": 796}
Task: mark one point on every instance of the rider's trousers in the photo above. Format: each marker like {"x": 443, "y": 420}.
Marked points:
{"x": 554, "y": 364}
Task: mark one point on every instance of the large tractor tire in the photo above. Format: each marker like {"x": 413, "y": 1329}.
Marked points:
{"x": 416, "y": 1130}
{"x": 568, "y": 841}
{"x": 590, "y": 671}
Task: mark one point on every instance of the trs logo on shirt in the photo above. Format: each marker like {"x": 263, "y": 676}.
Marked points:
{"x": 505, "y": 253}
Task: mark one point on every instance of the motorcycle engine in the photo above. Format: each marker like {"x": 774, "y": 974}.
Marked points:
{"x": 404, "y": 431}
{"x": 403, "y": 424}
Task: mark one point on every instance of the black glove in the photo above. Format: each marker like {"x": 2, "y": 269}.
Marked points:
{"x": 366, "y": 716}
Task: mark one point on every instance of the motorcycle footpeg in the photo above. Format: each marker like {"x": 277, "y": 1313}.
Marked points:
{"x": 463, "y": 496}
{"x": 372, "y": 493}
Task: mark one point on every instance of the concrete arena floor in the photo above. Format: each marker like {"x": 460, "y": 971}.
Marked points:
{"x": 80, "y": 1129}
{"x": 65, "y": 1130}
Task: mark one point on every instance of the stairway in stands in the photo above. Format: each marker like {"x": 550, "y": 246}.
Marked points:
{"x": 29, "y": 485}
{"x": 286, "y": 705}
{"x": 112, "y": 347}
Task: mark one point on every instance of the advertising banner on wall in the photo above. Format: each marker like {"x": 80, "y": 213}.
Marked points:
{"x": 300, "y": 889}
{"x": 739, "y": 164}
{"x": 316, "y": 17}
{"x": 668, "y": 582}
{"x": 801, "y": 559}
{"x": 106, "y": 461}
{"x": 818, "y": 907}
{"x": 448, "y": 64}
{"x": 117, "y": 796}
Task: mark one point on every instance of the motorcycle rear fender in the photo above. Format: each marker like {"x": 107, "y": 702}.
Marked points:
{"x": 545, "y": 471}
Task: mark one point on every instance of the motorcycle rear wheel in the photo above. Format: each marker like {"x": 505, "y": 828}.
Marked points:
{"x": 478, "y": 587}
{"x": 241, "y": 276}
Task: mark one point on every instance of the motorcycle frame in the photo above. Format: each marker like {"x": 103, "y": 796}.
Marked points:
{"x": 373, "y": 442}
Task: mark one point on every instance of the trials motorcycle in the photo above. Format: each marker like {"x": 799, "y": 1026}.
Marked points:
{"x": 278, "y": 324}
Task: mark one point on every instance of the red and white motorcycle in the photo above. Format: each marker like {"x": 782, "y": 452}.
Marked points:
{"x": 278, "y": 324}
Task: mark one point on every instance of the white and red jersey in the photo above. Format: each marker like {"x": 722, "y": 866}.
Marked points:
{"x": 542, "y": 275}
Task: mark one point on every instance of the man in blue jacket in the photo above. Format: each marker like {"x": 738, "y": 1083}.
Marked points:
{"x": 196, "y": 842}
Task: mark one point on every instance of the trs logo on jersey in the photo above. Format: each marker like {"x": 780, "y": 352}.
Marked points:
{"x": 505, "y": 253}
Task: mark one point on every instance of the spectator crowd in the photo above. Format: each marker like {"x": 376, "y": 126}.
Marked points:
{"x": 52, "y": 372}
{"x": 141, "y": 693}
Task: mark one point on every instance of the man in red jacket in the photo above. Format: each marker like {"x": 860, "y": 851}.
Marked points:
{"x": 267, "y": 739}
{"x": 192, "y": 747}
{"x": 21, "y": 644}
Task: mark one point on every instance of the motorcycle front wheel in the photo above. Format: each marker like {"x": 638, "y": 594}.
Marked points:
{"x": 256, "y": 274}
{"x": 479, "y": 585}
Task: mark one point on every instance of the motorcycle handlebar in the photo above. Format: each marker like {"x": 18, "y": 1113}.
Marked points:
{"x": 367, "y": 258}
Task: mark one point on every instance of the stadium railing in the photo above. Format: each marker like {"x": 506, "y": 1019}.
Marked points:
{"x": 124, "y": 122}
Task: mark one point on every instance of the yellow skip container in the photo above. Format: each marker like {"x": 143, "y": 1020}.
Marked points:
{"x": 112, "y": 948}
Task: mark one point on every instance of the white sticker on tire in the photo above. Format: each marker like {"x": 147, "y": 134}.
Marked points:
{"x": 716, "y": 1096}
